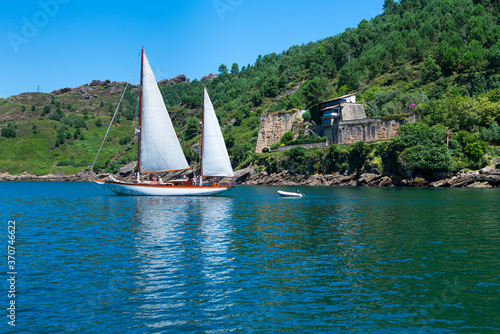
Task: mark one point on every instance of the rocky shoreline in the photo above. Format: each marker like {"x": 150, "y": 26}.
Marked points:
{"x": 488, "y": 177}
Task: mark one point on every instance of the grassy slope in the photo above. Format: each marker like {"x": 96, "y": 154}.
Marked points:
{"x": 37, "y": 153}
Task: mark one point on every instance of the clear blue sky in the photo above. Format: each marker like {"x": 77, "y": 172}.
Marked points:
{"x": 67, "y": 43}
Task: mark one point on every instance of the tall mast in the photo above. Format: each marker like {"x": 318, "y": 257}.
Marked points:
{"x": 202, "y": 128}
{"x": 140, "y": 117}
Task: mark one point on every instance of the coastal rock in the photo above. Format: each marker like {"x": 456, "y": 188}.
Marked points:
{"x": 479, "y": 185}
{"x": 243, "y": 174}
{"x": 128, "y": 169}
{"x": 485, "y": 178}
{"x": 441, "y": 183}
{"x": 385, "y": 181}
{"x": 440, "y": 176}
{"x": 366, "y": 179}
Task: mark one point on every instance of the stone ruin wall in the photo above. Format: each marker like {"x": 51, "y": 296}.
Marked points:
{"x": 273, "y": 126}
{"x": 357, "y": 128}
{"x": 368, "y": 130}
{"x": 352, "y": 111}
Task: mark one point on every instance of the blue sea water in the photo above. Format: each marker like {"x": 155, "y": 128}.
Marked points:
{"x": 340, "y": 260}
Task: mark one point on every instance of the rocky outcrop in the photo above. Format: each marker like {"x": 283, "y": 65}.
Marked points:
{"x": 61, "y": 91}
{"x": 243, "y": 174}
{"x": 128, "y": 169}
{"x": 85, "y": 91}
{"x": 99, "y": 83}
{"x": 174, "y": 81}
{"x": 209, "y": 77}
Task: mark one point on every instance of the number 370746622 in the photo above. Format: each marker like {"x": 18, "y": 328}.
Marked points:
{"x": 11, "y": 248}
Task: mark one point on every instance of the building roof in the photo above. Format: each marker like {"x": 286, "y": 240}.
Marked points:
{"x": 330, "y": 107}
{"x": 339, "y": 98}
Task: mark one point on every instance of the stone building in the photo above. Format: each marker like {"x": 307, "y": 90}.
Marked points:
{"x": 343, "y": 121}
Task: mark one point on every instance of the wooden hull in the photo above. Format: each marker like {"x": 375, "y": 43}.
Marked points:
{"x": 134, "y": 189}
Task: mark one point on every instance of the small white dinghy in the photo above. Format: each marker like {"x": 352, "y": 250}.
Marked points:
{"x": 290, "y": 194}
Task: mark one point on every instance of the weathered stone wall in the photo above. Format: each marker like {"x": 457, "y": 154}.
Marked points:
{"x": 273, "y": 126}
{"x": 352, "y": 111}
{"x": 367, "y": 130}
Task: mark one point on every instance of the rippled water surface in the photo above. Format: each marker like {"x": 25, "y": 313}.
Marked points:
{"x": 336, "y": 261}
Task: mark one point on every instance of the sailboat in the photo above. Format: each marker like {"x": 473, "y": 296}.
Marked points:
{"x": 161, "y": 152}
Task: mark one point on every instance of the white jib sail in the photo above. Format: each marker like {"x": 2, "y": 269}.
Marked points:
{"x": 160, "y": 148}
{"x": 215, "y": 158}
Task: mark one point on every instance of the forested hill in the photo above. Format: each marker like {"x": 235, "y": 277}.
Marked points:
{"x": 443, "y": 56}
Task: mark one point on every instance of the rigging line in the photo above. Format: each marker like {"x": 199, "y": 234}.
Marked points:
{"x": 165, "y": 100}
{"x": 162, "y": 77}
{"x": 120, "y": 153}
{"x": 116, "y": 111}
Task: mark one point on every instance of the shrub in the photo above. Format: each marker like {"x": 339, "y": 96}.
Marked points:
{"x": 433, "y": 158}
{"x": 45, "y": 110}
{"x": 287, "y": 136}
{"x": 422, "y": 147}
{"x": 113, "y": 168}
{"x": 275, "y": 146}
{"x": 475, "y": 150}
{"x": 60, "y": 138}
{"x": 98, "y": 122}
{"x": 55, "y": 116}
{"x": 8, "y": 131}
{"x": 124, "y": 140}
{"x": 357, "y": 156}
{"x": 193, "y": 128}
{"x": 80, "y": 123}
{"x": 491, "y": 134}
{"x": 297, "y": 159}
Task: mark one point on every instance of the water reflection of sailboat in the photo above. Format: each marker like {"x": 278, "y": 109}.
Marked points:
{"x": 184, "y": 247}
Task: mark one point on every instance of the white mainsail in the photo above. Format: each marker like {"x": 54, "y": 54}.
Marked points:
{"x": 215, "y": 158}
{"x": 160, "y": 147}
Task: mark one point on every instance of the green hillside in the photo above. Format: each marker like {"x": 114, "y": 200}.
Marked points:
{"x": 443, "y": 56}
